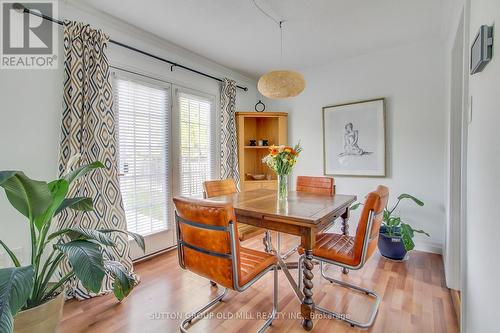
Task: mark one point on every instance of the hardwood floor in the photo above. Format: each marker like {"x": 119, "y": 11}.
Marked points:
{"x": 414, "y": 299}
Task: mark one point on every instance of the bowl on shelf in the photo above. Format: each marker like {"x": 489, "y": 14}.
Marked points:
{"x": 256, "y": 176}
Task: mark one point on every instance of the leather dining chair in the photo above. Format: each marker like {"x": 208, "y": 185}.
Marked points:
{"x": 317, "y": 185}
{"x": 214, "y": 188}
{"x": 351, "y": 251}
{"x": 308, "y": 184}
{"x": 208, "y": 245}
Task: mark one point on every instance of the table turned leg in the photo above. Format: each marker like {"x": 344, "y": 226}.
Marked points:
{"x": 307, "y": 306}
{"x": 345, "y": 231}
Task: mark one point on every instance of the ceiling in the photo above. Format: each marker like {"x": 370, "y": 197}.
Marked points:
{"x": 234, "y": 33}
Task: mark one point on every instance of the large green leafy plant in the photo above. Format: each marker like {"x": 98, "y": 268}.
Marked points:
{"x": 394, "y": 225}
{"x": 29, "y": 286}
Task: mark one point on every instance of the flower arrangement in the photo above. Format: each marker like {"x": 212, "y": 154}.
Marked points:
{"x": 281, "y": 160}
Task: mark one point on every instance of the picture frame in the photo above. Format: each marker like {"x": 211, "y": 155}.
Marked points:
{"x": 354, "y": 139}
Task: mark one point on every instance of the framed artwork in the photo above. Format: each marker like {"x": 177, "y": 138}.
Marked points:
{"x": 354, "y": 139}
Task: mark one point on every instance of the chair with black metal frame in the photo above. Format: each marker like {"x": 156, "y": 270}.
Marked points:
{"x": 208, "y": 245}
{"x": 351, "y": 252}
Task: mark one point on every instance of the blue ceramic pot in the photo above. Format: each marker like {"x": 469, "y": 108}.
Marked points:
{"x": 391, "y": 247}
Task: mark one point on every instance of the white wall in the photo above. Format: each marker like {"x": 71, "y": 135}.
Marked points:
{"x": 483, "y": 232}
{"x": 31, "y": 104}
{"x": 411, "y": 78}
{"x": 455, "y": 30}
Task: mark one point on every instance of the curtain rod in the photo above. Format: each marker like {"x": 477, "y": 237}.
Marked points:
{"x": 19, "y": 7}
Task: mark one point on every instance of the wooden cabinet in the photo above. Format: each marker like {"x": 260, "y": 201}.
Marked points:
{"x": 271, "y": 126}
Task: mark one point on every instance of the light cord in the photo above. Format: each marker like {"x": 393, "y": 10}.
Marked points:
{"x": 278, "y": 22}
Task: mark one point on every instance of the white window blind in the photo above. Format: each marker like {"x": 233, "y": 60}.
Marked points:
{"x": 197, "y": 143}
{"x": 143, "y": 113}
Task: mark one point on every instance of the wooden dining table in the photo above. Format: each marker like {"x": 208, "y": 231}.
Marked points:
{"x": 302, "y": 214}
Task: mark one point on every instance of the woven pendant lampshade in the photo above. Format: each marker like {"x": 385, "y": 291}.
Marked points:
{"x": 281, "y": 84}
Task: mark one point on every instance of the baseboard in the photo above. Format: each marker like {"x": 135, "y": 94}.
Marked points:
{"x": 430, "y": 247}
{"x": 457, "y": 303}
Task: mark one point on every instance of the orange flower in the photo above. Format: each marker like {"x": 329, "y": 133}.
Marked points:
{"x": 274, "y": 152}
{"x": 287, "y": 150}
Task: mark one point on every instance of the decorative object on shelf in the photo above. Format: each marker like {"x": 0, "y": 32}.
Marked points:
{"x": 260, "y": 107}
{"x": 281, "y": 160}
{"x": 253, "y": 143}
{"x": 279, "y": 84}
{"x": 261, "y": 143}
{"x": 354, "y": 138}
{"x": 256, "y": 176}
{"x": 37, "y": 289}
{"x": 396, "y": 237}
{"x": 265, "y": 142}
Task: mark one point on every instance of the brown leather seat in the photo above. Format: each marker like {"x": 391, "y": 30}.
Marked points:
{"x": 351, "y": 252}
{"x": 317, "y": 185}
{"x": 348, "y": 250}
{"x": 208, "y": 245}
{"x": 205, "y": 244}
{"x": 215, "y": 188}
{"x": 253, "y": 262}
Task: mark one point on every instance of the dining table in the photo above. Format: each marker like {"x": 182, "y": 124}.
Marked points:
{"x": 302, "y": 214}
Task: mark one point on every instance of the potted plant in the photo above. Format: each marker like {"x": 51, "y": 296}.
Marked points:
{"x": 31, "y": 289}
{"x": 396, "y": 237}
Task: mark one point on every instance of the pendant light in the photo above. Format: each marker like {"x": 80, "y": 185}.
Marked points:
{"x": 280, "y": 84}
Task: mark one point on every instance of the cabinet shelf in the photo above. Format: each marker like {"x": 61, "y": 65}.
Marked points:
{"x": 256, "y": 147}
{"x": 271, "y": 126}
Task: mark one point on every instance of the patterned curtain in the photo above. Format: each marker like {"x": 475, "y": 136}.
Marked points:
{"x": 229, "y": 147}
{"x": 88, "y": 129}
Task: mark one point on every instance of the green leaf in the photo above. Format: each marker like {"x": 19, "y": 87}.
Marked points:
{"x": 407, "y": 237}
{"x": 85, "y": 234}
{"x": 387, "y": 215}
{"x": 138, "y": 238}
{"x": 75, "y": 174}
{"x": 123, "y": 282}
{"x": 11, "y": 254}
{"x": 30, "y": 197}
{"x": 58, "y": 189}
{"x": 411, "y": 197}
{"x": 6, "y": 175}
{"x": 86, "y": 259}
{"x": 15, "y": 287}
{"x": 78, "y": 203}
{"x": 355, "y": 206}
{"x": 421, "y": 232}
{"x": 393, "y": 222}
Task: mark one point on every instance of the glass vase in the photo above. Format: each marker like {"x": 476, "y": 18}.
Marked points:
{"x": 282, "y": 187}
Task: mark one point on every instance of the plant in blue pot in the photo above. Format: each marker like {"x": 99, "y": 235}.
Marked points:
{"x": 396, "y": 237}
